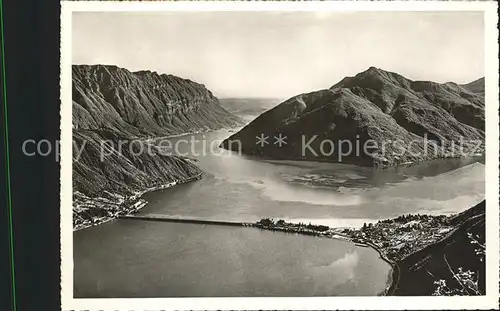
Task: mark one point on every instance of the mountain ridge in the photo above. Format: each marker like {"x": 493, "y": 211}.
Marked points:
{"x": 476, "y": 86}
{"x": 113, "y": 110}
{"x": 372, "y": 105}
{"x": 143, "y": 102}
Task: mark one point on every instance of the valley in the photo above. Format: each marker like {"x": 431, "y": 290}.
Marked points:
{"x": 122, "y": 120}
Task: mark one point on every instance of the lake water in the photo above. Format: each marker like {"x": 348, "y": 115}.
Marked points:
{"x": 130, "y": 258}
{"x": 127, "y": 258}
{"x": 243, "y": 188}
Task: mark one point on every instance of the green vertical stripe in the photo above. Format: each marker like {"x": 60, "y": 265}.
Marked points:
{"x": 7, "y": 164}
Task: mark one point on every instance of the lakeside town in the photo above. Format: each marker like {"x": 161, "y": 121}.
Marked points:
{"x": 91, "y": 212}
{"x": 393, "y": 238}
{"x": 88, "y": 212}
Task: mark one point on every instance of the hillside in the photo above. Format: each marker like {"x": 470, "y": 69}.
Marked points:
{"x": 429, "y": 255}
{"x": 476, "y": 86}
{"x": 126, "y": 171}
{"x": 113, "y": 107}
{"x": 443, "y": 259}
{"x": 376, "y": 106}
{"x": 143, "y": 103}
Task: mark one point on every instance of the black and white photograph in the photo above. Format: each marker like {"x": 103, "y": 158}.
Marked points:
{"x": 290, "y": 155}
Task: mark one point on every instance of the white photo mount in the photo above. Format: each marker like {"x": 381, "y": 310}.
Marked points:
{"x": 489, "y": 301}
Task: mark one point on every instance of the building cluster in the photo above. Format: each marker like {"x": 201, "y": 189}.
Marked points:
{"x": 302, "y": 228}
{"x": 399, "y": 237}
{"x": 88, "y": 212}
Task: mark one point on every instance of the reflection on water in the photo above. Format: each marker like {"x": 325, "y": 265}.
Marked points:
{"x": 244, "y": 188}
{"x": 127, "y": 258}
{"x": 152, "y": 259}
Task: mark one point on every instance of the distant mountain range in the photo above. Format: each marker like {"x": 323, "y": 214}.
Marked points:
{"x": 373, "y": 105}
{"x": 248, "y": 108}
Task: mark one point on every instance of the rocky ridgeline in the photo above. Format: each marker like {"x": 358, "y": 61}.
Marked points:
{"x": 374, "y": 105}
{"x": 112, "y": 109}
{"x": 143, "y": 103}
{"x": 476, "y": 86}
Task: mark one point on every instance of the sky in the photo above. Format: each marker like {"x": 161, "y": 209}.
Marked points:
{"x": 282, "y": 54}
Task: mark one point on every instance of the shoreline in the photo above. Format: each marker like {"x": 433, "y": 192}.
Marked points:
{"x": 137, "y": 204}
{"x": 393, "y": 275}
{"x": 394, "y": 272}
{"x": 227, "y": 130}
{"x": 379, "y": 166}
{"x": 368, "y": 236}
{"x": 135, "y": 201}
{"x": 393, "y": 239}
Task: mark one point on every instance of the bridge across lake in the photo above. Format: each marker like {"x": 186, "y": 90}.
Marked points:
{"x": 156, "y": 217}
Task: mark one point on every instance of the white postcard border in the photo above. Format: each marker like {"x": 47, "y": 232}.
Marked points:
{"x": 289, "y": 303}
